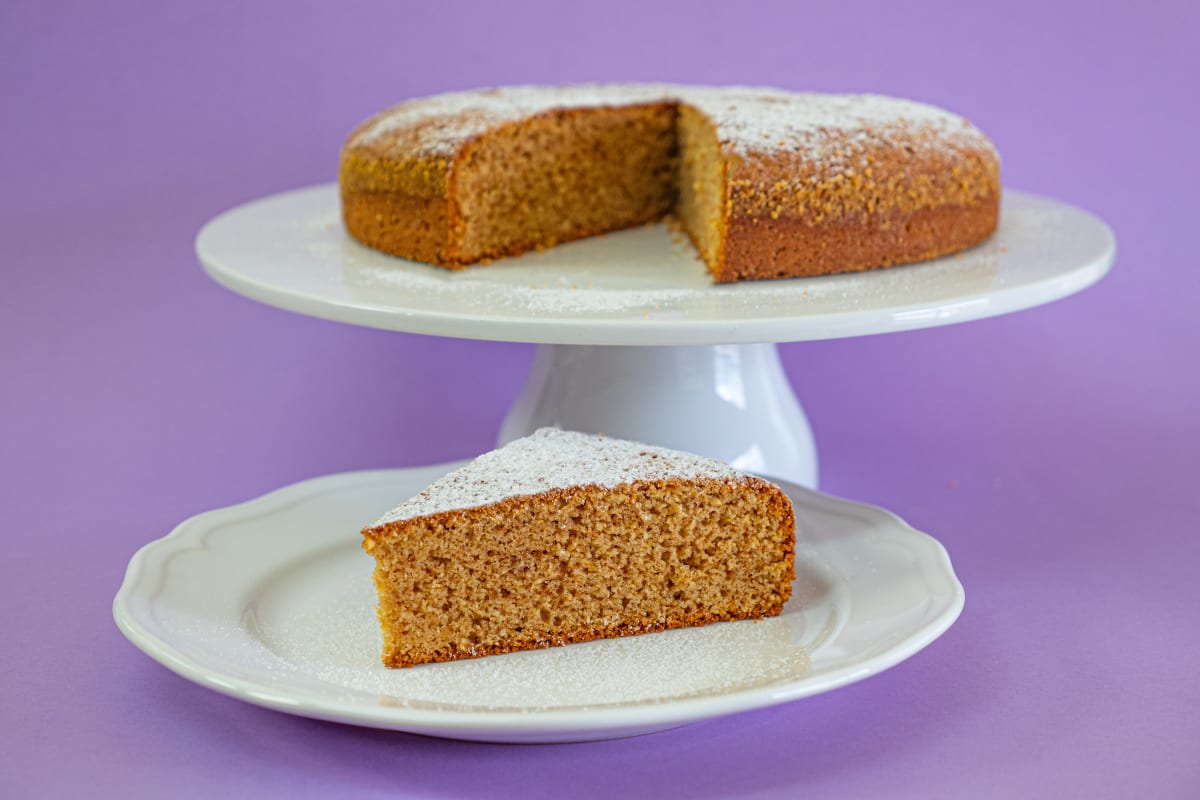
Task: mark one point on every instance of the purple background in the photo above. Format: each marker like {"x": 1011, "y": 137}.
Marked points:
{"x": 1052, "y": 451}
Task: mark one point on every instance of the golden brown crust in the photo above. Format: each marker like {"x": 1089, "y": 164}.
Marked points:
{"x": 900, "y": 171}
{"x": 363, "y": 169}
{"x": 762, "y": 247}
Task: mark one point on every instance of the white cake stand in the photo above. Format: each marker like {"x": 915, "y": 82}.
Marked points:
{"x": 634, "y": 339}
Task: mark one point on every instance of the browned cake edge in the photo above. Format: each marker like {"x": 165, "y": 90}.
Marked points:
{"x": 760, "y": 247}
{"x": 778, "y": 502}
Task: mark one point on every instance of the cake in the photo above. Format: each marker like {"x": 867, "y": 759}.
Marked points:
{"x": 766, "y": 183}
{"x": 564, "y": 537}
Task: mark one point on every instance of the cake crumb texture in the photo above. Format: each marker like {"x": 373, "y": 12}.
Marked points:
{"x": 634, "y": 540}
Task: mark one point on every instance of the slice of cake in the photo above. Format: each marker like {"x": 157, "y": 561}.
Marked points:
{"x": 565, "y": 537}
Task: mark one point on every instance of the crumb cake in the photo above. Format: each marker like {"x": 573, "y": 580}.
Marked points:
{"x": 564, "y": 537}
{"x": 766, "y": 183}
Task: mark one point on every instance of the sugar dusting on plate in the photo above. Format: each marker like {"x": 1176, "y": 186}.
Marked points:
{"x": 338, "y": 643}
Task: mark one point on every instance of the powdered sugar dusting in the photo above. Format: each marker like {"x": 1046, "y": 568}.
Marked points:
{"x": 441, "y": 123}
{"x": 550, "y": 459}
{"x": 828, "y": 130}
{"x": 748, "y": 120}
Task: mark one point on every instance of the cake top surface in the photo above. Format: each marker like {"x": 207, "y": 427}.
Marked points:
{"x": 748, "y": 120}
{"x": 551, "y": 459}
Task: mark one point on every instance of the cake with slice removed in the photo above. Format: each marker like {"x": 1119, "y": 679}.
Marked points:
{"x": 564, "y": 537}
{"x": 766, "y": 183}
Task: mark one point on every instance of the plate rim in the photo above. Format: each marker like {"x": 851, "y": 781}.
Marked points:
{"x": 502, "y": 725}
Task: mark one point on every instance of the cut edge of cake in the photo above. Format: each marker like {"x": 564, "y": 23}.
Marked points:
{"x": 520, "y": 550}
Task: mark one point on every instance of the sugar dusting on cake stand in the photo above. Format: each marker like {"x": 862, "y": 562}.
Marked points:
{"x": 634, "y": 340}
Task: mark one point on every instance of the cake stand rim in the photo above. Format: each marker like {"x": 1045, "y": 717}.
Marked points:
{"x": 332, "y": 301}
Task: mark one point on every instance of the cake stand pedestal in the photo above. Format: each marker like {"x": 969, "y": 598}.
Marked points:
{"x": 726, "y": 401}
{"x": 635, "y": 341}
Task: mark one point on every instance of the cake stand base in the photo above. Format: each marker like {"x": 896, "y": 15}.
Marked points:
{"x": 729, "y": 402}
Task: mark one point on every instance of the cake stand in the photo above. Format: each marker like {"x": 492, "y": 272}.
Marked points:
{"x": 633, "y": 338}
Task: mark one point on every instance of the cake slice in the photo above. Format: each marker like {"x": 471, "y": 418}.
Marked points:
{"x": 564, "y": 537}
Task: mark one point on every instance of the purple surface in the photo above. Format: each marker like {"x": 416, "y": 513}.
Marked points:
{"x": 1052, "y": 451}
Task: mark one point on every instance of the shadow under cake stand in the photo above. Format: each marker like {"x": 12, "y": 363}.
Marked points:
{"x": 633, "y": 338}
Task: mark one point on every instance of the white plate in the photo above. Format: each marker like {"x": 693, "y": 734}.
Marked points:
{"x": 641, "y": 286}
{"x": 271, "y": 602}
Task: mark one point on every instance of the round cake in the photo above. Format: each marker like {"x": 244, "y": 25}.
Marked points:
{"x": 766, "y": 183}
